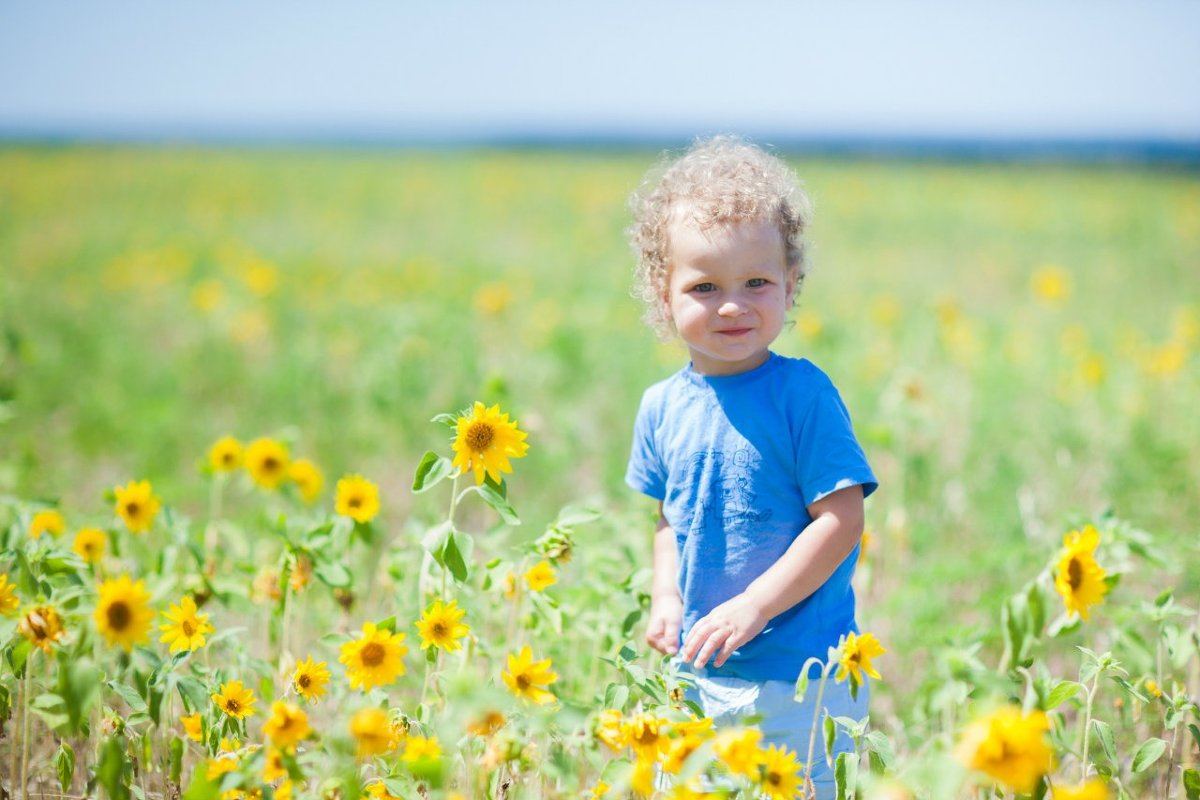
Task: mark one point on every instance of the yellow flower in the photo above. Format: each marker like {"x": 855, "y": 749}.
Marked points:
{"x": 485, "y": 441}
{"x": 1152, "y": 687}
{"x": 310, "y": 679}
{"x": 123, "y": 614}
{"x": 857, "y": 652}
{"x": 441, "y": 626}
{"x": 810, "y": 325}
{"x": 217, "y": 767}
{"x": 1079, "y": 579}
{"x": 599, "y": 790}
{"x": 372, "y": 732}
{"x": 527, "y": 678}
{"x": 136, "y": 505}
{"x": 378, "y": 790}
{"x": 43, "y": 626}
{"x": 308, "y": 478}
{"x": 608, "y": 728}
{"x": 187, "y": 629}
{"x": 375, "y": 659}
{"x": 418, "y": 748}
{"x": 486, "y": 725}
{"x": 273, "y": 766}
{"x": 738, "y": 749}
{"x": 1050, "y": 283}
{"x": 267, "y": 462}
{"x": 235, "y": 700}
{"x": 1009, "y": 746}
{"x": 357, "y": 498}
{"x": 1092, "y": 790}
{"x": 540, "y": 575}
{"x": 89, "y": 544}
{"x": 645, "y": 734}
{"x": 301, "y": 574}
{"x": 780, "y": 778}
{"x": 192, "y": 726}
{"x": 286, "y": 726}
{"x": 284, "y": 790}
{"x": 9, "y": 602}
{"x": 225, "y": 455}
{"x": 49, "y": 521}
{"x": 642, "y": 778}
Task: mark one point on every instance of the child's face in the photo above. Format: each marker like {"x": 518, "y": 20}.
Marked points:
{"x": 728, "y": 291}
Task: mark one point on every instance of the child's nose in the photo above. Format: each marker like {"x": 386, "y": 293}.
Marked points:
{"x": 730, "y": 308}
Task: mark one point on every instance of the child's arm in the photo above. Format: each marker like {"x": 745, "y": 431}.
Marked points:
{"x": 666, "y": 607}
{"x": 836, "y": 528}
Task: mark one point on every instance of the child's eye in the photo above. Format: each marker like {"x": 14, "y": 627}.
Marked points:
{"x": 704, "y": 287}
{"x": 754, "y": 283}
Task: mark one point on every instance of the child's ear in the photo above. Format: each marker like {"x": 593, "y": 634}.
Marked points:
{"x": 790, "y": 276}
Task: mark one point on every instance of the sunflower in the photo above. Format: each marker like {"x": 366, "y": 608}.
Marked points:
{"x": 286, "y": 726}
{"x": 419, "y": 748}
{"x": 235, "y": 700}
{"x": 540, "y": 576}
{"x": 273, "y": 766}
{"x": 9, "y": 602}
{"x": 527, "y": 678}
{"x": 308, "y": 478}
{"x": 608, "y": 728}
{"x": 372, "y": 732}
{"x": 49, "y": 521}
{"x": 1009, "y": 746}
{"x": 43, "y": 626}
{"x": 739, "y": 750}
{"x": 486, "y": 724}
{"x": 484, "y": 442}
{"x": 1079, "y": 579}
{"x": 1094, "y": 789}
{"x": 357, "y": 498}
{"x": 136, "y": 505}
{"x": 441, "y": 626}
{"x": 187, "y": 629}
{"x": 646, "y": 734}
{"x": 193, "y": 726}
{"x": 123, "y": 614}
{"x": 378, "y": 791}
{"x": 267, "y": 461}
{"x": 375, "y": 659}
{"x": 225, "y": 455}
{"x": 780, "y": 777}
{"x": 857, "y": 652}
{"x": 309, "y": 679}
{"x": 89, "y": 544}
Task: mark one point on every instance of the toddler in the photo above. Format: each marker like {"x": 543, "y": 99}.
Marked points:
{"x": 751, "y": 455}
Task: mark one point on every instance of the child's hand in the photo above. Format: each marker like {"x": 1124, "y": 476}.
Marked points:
{"x": 662, "y": 633}
{"x": 723, "y": 630}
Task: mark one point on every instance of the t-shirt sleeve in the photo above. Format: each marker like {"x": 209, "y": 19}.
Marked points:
{"x": 646, "y": 471}
{"x": 828, "y": 456}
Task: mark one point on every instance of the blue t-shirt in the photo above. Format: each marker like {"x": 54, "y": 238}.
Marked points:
{"x": 736, "y": 461}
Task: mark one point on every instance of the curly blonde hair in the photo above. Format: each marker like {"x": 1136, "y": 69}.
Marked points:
{"x": 722, "y": 179}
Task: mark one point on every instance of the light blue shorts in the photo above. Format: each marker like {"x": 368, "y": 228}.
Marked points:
{"x": 784, "y": 721}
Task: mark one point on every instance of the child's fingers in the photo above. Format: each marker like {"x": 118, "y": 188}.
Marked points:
{"x": 731, "y": 644}
{"x": 710, "y": 646}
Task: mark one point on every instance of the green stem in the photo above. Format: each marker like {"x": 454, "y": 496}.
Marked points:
{"x": 1087, "y": 721}
{"x": 25, "y": 725}
{"x": 812, "y": 737}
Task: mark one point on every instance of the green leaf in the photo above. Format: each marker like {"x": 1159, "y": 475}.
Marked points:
{"x": 1150, "y": 751}
{"x": 446, "y": 419}
{"x": 615, "y": 696}
{"x": 830, "y": 737}
{"x": 845, "y": 775}
{"x": 570, "y": 516}
{"x": 880, "y": 748}
{"x": 1104, "y": 736}
{"x": 111, "y": 769}
{"x": 135, "y": 702}
{"x": 333, "y": 574}
{"x": 201, "y": 788}
{"x": 434, "y": 541}
{"x": 802, "y": 681}
{"x": 1191, "y": 784}
{"x": 194, "y": 693}
{"x": 64, "y": 764}
{"x": 457, "y": 555}
{"x": 1195, "y": 733}
{"x": 1060, "y": 694}
{"x": 432, "y": 470}
{"x": 498, "y": 503}
{"x": 176, "y": 749}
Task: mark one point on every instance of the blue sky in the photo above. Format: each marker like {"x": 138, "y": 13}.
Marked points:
{"x": 921, "y": 68}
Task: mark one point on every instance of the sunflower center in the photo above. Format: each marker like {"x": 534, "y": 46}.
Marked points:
{"x": 479, "y": 436}
{"x": 132, "y": 508}
{"x": 439, "y": 629}
{"x": 774, "y": 778}
{"x": 188, "y": 628}
{"x": 119, "y": 616}
{"x": 227, "y": 459}
{"x": 856, "y": 658}
{"x": 373, "y": 654}
{"x": 1075, "y": 574}
{"x": 523, "y": 681}
{"x": 304, "y": 681}
{"x": 355, "y": 502}
{"x": 270, "y": 464}
{"x": 232, "y": 705}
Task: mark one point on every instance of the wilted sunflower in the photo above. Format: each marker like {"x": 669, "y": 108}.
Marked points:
{"x": 485, "y": 441}
{"x": 309, "y": 679}
{"x": 540, "y": 576}
{"x": 372, "y": 732}
{"x": 48, "y": 521}
{"x": 286, "y": 726}
{"x": 1010, "y": 746}
{"x": 442, "y": 626}
{"x": 308, "y": 478}
{"x": 89, "y": 544}
{"x": 357, "y": 498}
{"x": 9, "y": 602}
{"x": 267, "y": 461}
{"x": 123, "y": 614}
{"x": 187, "y": 628}
{"x": 41, "y": 625}
{"x": 235, "y": 700}
{"x": 1079, "y": 579}
{"x": 375, "y": 659}
{"x": 136, "y": 505}
{"x": 857, "y": 652}
{"x": 225, "y": 455}
{"x": 780, "y": 773}
{"x": 527, "y": 678}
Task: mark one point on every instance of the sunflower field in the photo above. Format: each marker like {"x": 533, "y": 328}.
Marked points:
{"x": 311, "y": 480}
